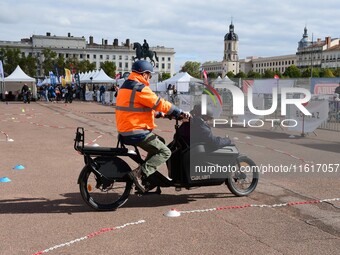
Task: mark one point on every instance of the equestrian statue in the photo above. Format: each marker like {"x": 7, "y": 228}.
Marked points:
{"x": 144, "y": 52}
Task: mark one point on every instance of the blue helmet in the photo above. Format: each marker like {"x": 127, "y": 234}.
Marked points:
{"x": 142, "y": 66}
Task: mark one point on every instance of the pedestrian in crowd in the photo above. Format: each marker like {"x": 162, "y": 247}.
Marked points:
{"x": 46, "y": 93}
{"x": 52, "y": 94}
{"x": 25, "y": 92}
{"x": 58, "y": 93}
{"x": 102, "y": 94}
{"x": 68, "y": 94}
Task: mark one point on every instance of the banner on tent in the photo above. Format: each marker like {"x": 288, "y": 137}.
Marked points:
{"x": 318, "y": 109}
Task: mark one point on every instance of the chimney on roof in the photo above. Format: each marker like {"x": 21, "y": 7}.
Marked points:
{"x": 115, "y": 42}
{"x": 68, "y": 34}
{"x": 105, "y": 42}
{"x": 127, "y": 43}
{"x": 318, "y": 40}
{"x": 48, "y": 34}
{"x": 328, "y": 41}
{"x": 91, "y": 39}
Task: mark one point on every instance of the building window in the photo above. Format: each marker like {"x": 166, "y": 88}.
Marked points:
{"x": 169, "y": 59}
{"x": 169, "y": 66}
{"x": 120, "y": 65}
{"x": 94, "y": 56}
{"x": 81, "y": 56}
{"x": 113, "y": 57}
{"x": 126, "y": 65}
{"x": 100, "y": 56}
{"x": 66, "y": 55}
{"x": 107, "y": 57}
{"x": 163, "y": 66}
{"x": 88, "y": 56}
{"x": 120, "y": 57}
{"x": 126, "y": 57}
{"x": 163, "y": 58}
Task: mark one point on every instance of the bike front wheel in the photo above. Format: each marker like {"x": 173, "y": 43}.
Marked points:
{"x": 100, "y": 193}
{"x": 244, "y": 177}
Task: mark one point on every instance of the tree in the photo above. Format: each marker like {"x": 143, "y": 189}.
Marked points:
{"x": 230, "y": 74}
{"x": 11, "y": 59}
{"x": 109, "y": 68}
{"x": 49, "y": 61}
{"x": 292, "y": 72}
{"x": 86, "y": 65}
{"x": 307, "y": 73}
{"x": 29, "y": 65}
{"x": 270, "y": 73}
{"x": 240, "y": 75}
{"x": 212, "y": 75}
{"x": 193, "y": 68}
{"x": 336, "y": 72}
{"x": 254, "y": 75}
{"x": 327, "y": 73}
{"x": 164, "y": 76}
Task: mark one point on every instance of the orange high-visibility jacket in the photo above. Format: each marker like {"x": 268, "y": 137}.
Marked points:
{"x": 136, "y": 104}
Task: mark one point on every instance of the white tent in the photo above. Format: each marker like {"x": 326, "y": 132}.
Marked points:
{"x": 102, "y": 77}
{"x": 16, "y": 80}
{"x": 181, "y": 81}
{"x": 221, "y": 84}
{"x": 98, "y": 76}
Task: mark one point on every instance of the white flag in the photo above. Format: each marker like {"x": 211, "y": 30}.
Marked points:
{"x": 2, "y": 75}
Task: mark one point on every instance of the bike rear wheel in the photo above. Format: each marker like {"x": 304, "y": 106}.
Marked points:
{"x": 243, "y": 178}
{"x": 100, "y": 193}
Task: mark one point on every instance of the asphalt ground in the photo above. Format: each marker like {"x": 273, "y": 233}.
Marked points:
{"x": 41, "y": 209}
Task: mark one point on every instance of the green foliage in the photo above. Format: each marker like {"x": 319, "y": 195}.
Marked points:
{"x": 307, "y": 73}
{"x": 240, "y": 75}
{"x": 109, "y": 68}
{"x": 49, "y": 61}
{"x": 11, "y": 58}
{"x": 327, "y": 73}
{"x": 292, "y": 72}
{"x": 164, "y": 76}
{"x": 336, "y": 72}
{"x": 230, "y": 74}
{"x": 212, "y": 75}
{"x": 254, "y": 75}
{"x": 193, "y": 68}
{"x": 29, "y": 65}
{"x": 85, "y": 66}
{"x": 270, "y": 74}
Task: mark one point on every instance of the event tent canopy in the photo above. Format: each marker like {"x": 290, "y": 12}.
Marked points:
{"x": 221, "y": 84}
{"x": 19, "y": 75}
{"x": 181, "y": 81}
{"x": 98, "y": 76}
{"x": 17, "y": 79}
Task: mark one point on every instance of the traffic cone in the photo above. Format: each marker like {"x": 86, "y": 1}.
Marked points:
{"x": 172, "y": 213}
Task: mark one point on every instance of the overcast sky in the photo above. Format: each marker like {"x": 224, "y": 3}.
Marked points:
{"x": 195, "y": 29}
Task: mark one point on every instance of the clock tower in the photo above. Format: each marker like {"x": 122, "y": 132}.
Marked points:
{"x": 230, "y": 58}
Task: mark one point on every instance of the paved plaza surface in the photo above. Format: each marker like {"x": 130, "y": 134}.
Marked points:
{"x": 41, "y": 209}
